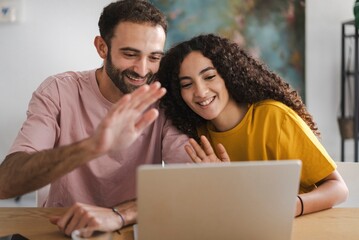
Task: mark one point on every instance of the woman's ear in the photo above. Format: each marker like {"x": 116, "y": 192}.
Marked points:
{"x": 101, "y": 47}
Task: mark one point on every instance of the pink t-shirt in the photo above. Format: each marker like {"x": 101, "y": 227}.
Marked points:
{"x": 67, "y": 108}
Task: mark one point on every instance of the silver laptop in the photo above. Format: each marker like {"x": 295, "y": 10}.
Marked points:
{"x": 238, "y": 200}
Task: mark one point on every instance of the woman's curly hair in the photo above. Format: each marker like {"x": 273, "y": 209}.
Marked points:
{"x": 247, "y": 81}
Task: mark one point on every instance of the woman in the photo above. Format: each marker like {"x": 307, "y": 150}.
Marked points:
{"x": 222, "y": 97}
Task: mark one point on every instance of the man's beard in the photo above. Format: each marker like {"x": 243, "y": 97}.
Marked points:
{"x": 118, "y": 77}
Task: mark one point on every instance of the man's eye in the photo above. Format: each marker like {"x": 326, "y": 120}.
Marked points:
{"x": 156, "y": 58}
{"x": 130, "y": 55}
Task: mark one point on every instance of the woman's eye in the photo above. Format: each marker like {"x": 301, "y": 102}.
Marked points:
{"x": 186, "y": 85}
{"x": 209, "y": 77}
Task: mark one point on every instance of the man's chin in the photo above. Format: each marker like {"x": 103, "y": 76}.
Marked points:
{"x": 132, "y": 87}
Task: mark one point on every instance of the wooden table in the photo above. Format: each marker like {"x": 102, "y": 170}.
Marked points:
{"x": 33, "y": 223}
{"x": 335, "y": 223}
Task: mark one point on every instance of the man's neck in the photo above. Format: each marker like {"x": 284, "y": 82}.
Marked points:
{"x": 106, "y": 86}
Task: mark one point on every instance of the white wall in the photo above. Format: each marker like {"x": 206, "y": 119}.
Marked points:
{"x": 55, "y": 36}
{"x": 323, "y": 53}
{"x": 52, "y": 36}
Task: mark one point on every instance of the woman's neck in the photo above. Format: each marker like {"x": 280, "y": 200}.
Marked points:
{"x": 230, "y": 117}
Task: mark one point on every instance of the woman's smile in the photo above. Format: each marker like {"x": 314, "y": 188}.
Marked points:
{"x": 206, "y": 102}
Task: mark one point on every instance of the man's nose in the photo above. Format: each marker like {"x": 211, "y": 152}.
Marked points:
{"x": 141, "y": 67}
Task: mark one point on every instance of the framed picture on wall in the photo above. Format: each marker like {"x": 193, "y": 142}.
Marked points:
{"x": 270, "y": 30}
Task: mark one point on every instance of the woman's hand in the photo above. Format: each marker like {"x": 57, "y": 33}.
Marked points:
{"x": 204, "y": 153}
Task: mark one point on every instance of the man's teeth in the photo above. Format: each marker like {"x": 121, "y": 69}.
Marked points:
{"x": 205, "y": 103}
{"x": 135, "y": 79}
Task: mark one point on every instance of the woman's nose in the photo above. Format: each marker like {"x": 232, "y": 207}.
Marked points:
{"x": 201, "y": 90}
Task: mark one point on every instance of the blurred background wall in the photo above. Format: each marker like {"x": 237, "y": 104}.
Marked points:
{"x": 53, "y": 36}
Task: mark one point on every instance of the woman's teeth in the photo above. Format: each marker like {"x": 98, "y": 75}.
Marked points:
{"x": 205, "y": 103}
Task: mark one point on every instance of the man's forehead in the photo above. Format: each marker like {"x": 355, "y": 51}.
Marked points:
{"x": 142, "y": 37}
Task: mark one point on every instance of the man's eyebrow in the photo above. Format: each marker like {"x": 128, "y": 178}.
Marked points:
{"x": 158, "y": 52}
{"x": 130, "y": 49}
{"x": 138, "y": 51}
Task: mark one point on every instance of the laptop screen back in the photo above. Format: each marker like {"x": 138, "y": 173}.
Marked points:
{"x": 238, "y": 200}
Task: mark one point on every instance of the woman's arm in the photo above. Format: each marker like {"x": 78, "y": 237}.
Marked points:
{"x": 331, "y": 191}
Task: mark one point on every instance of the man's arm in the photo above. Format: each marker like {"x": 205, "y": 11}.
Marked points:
{"x": 25, "y": 172}
{"x": 89, "y": 219}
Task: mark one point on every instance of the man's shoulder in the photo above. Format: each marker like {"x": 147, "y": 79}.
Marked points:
{"x": 73, "y": 74}
{"x": 66, "y": 79}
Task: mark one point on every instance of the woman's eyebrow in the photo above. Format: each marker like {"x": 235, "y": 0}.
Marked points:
{"x": 206, "y": 69}
{"x": 183, "y": 78}
{"x": 200, "y": 73}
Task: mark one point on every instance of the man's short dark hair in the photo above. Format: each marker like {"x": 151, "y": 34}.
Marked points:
{"x": 136, "y": 11}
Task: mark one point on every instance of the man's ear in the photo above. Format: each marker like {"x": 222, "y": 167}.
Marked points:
{"x": 101, "y": 47}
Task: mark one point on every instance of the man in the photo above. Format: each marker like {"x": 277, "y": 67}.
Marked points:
{"x": 86, "y": 135}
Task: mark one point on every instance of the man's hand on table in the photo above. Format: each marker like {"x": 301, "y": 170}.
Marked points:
{"x": 87, "y": 219}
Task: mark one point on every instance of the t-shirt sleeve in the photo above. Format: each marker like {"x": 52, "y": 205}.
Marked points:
{"x": 173, "y": 142}
{"x": 41, "y": 128}
{"x": 305, "y": 146}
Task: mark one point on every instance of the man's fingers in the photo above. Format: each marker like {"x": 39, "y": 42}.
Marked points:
{"x": 117, "y": 107}
{"x": 83, "y": 223}
{"x": 83, "y": 233}
{"x": 54, "y": 219}
{"x": 76, "y": 221}
{"x": 139, "y": 100}
{"x": 146, "y": 119}
{"x": 87, "y": 232}
{"x": 154, "y": 93}
{"x": 91, "y": 232}
{"x": 146, "y": 95}
{"x": 65, "y": 219}
{"x": 70, "y": 220}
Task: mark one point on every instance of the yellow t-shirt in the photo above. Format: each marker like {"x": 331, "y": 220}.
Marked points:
{"x": 270, "y": 130}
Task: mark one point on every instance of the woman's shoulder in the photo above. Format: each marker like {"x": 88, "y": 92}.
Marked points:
{"x": 271, "y": 105}
{"x": 272, "y": 109}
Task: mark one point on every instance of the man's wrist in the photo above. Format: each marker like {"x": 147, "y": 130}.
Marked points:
{"x": 123, "y": 222}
